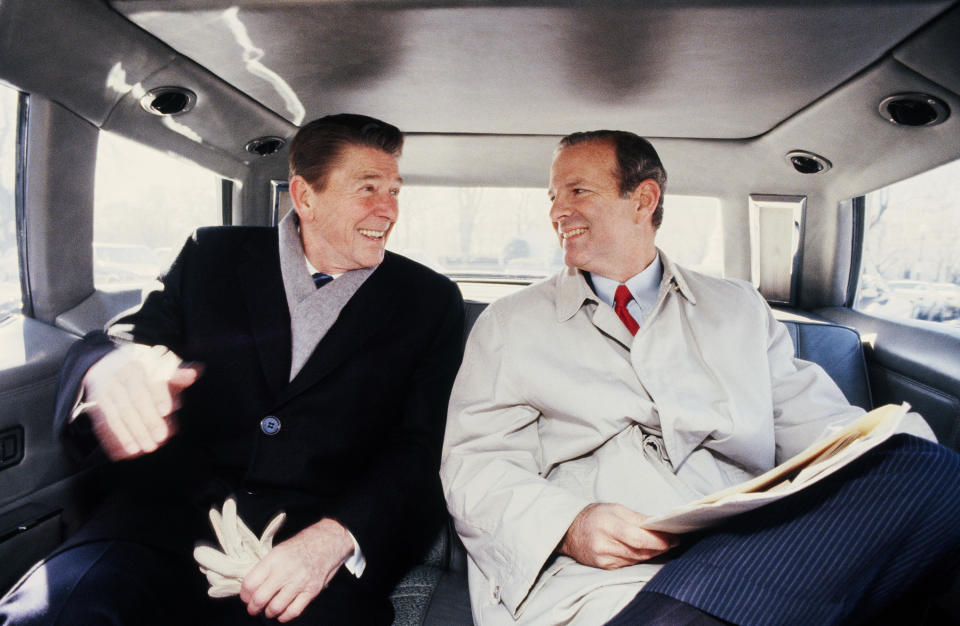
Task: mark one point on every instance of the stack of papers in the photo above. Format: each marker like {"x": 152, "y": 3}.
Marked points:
{"x": 819, "y": 460}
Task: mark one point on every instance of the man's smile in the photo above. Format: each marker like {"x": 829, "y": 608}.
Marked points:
{"x": 372, "y": 234}
{"x": 573, "y": 232}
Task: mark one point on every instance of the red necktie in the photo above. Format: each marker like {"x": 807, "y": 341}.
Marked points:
{"x": 620, "y": 300}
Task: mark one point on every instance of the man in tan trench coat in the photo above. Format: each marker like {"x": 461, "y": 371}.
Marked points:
{"x": 616, "y": 390}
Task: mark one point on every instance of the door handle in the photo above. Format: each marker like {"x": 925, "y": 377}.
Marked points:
{"x": 11, "y": 446}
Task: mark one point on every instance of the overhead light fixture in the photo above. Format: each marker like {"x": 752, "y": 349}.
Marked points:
{"x": 808, "y": 162}
{"x": 914, "y": 109}
{"x": 265, "y": 146}
{"x": 165, "y": 101}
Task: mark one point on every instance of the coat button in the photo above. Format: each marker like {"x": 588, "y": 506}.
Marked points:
{"x": 270, "y": 425}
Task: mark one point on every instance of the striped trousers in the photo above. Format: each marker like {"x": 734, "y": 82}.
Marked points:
{"x": 837, "y": 553}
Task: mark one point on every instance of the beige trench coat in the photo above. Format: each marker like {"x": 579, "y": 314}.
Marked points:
{"x": 557, "y": 406}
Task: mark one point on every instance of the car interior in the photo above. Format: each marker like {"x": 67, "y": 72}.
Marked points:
{"x": 787, "y": 131}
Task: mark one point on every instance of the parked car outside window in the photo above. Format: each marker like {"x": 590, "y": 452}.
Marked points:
{"x": 911, "y": 255}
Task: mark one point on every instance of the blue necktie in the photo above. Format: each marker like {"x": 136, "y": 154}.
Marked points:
{"x": 320, "y": 279}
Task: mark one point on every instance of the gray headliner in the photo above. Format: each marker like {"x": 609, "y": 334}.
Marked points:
{"x": 485, "y": 89}
{"x": 659, "y": 69}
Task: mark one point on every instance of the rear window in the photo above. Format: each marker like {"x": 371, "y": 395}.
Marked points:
{"x": 493, "y": 240}
{"x": 10, "y": 297}
{"x": 911, "y": 254}
{"x": 146, "y": 203}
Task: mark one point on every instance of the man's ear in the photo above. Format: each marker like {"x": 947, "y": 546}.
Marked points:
{"x": 646, "y": 196}
{"x": 302, "y": 196}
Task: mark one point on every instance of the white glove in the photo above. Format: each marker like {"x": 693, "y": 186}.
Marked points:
{"x": 131, "y": 396}
{"x": 241, "y": 550}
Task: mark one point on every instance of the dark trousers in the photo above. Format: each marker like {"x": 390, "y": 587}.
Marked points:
{"x": 124, "y": 583}
{"x": 843, "y": 551}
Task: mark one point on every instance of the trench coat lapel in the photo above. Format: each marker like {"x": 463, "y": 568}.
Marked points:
{"x": 572, "y": 294}
{"x": 262, "y": 286}
{"x": 606, "y": 320}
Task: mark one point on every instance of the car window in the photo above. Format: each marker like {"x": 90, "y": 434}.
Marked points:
{"x": 911, "y": 255}
{"x": 504, "y": 235}
{"x": 10, "y": 297}
{"x": 146, "y": 203}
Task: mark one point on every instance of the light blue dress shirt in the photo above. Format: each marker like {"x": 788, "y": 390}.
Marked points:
{"x": 644, "y": 288}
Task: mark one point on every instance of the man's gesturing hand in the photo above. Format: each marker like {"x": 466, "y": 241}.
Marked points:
{"x": 291, "y": 575}
{"x": 609, "y": 536}
{"x": 132, "y": 394}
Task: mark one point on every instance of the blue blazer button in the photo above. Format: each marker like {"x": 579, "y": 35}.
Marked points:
{"x": 270, "y": 425}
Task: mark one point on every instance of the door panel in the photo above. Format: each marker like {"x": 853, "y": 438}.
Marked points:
{"x": 912, "y": 361}
{"x": 40, "y": 487}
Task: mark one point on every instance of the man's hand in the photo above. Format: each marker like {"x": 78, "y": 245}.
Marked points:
{"x": 291, "y": 575}
{"x": 132, "y": 394}
{"x": 240, "y": 550}
{"x": 609, "y": 536}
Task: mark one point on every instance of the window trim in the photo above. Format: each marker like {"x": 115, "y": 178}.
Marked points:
{"x": 785, "y": 285}
{"x": 226, "y": 202}
{"x": 858, "y": 214}
{"x": 19, "y": 201}
{"x": 280, "y": 201}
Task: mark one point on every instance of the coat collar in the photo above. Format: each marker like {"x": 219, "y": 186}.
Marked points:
{"x": 674, "y": 278}
{"x": 297, "y": 282}
{"x": 573, "y": 291}
{"x": 312, "y": 311}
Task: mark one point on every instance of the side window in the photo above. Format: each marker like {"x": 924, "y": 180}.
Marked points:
{"x": 10, "y": 297}
{"x": 493, "y": 240}
{"x": 911, "y": 255}
{"x": 146, "y": 203}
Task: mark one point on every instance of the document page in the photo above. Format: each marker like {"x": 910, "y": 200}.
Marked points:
{"x": 818, "y": 461}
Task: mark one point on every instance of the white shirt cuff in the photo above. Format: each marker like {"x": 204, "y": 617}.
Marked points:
{"x": 355, "y": 563}
{"x": 80, "y": 407}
